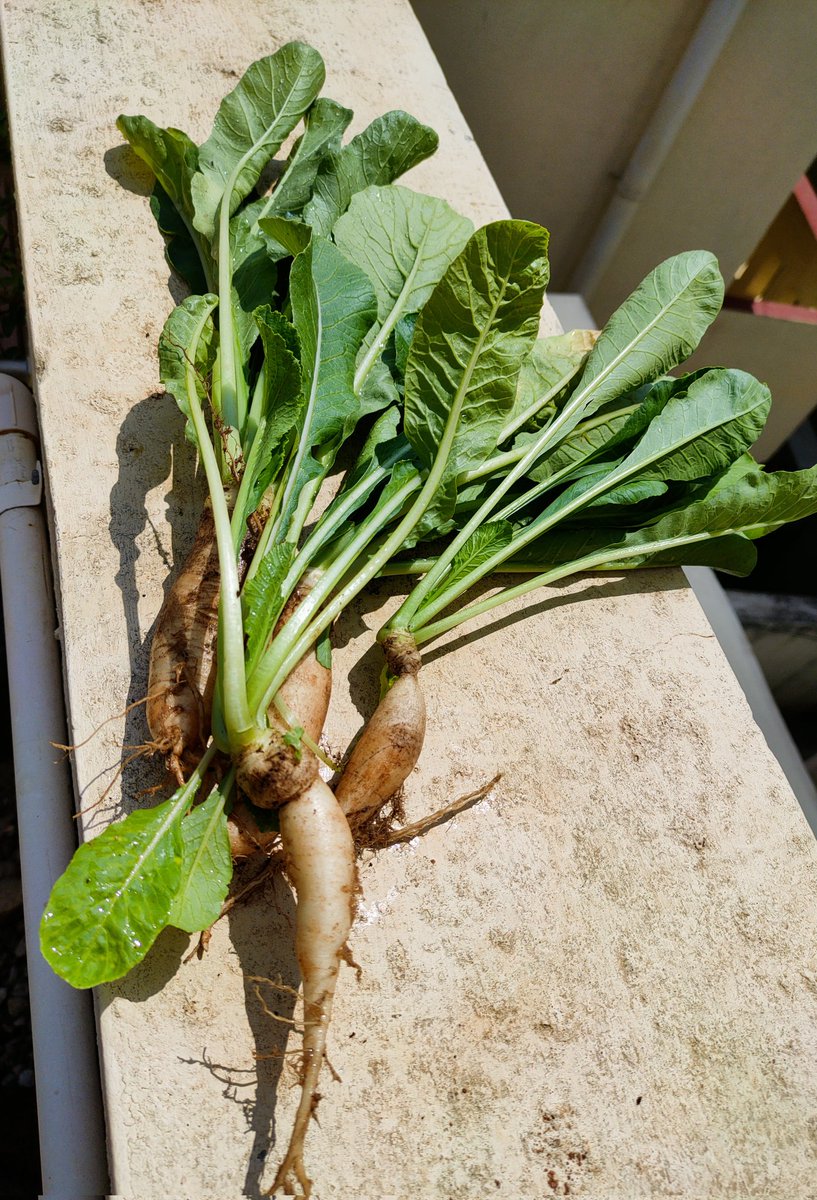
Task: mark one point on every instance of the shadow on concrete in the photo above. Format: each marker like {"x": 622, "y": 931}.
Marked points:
{"x": 263, "y": 934}
{"x": 152, "y": 451}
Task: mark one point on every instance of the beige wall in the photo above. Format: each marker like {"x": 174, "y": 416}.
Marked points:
{"x": 557, "y": 95}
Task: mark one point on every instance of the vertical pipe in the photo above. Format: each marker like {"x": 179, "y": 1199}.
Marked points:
{"x": 707, "y": 43}
{"x": 69, "y": 1107}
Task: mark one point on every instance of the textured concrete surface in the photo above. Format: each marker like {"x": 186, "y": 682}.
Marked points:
{"x": 601, "y": 982}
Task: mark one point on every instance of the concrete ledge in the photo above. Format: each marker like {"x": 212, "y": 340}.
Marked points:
{"x": 600, "y": 982}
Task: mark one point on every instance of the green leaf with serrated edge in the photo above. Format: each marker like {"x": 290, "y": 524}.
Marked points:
{"x": 173, "y": 159}
{"x": 554, "y": 362}
{"x": 190, "y": 324}
{"x": 324, "y": 125}
{"x": 105, "y": 911}
{"x": 385, "y": 150}
{"x": 404, "y": 241}
{"x": 654, "y": 330}
{"x": 251, "y": 124}
{"x": 481, "y": 545}
{"x": 262, "y": 599}
{"x": 207, "y": 866}
{"x": 471, "y": 338}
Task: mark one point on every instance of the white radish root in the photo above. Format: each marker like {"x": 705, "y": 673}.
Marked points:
{"x": 319, "y": 858}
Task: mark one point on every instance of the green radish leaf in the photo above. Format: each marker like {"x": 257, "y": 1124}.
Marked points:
{"x": 281, "y": 408}
{"x": 323, "y": 650}
{"x": 386, "y": 149}
{"x": 254, "y": 254}
{"x": 285, "y": 236}
{"x": 383, "y": 447}
{"x": 252, "y": 122}
{"x": 207, "y": 866}
{"x": 262, "y": 599}
{"x": 403, "y": 333}
{"x": 587, "y": 440}
{"x": 481, "y": 545}
{"x": 180, "y": 250}
{"x": 756, "y": 504}
{"x": 631, "y": 493}
{"x": 547, "y": 372}
{"x": 254, "y": 286}
{"x": 173, "y": 158}
{"x": 404, "y": 242}
{"x": 705, "y": 429}
{"x": 614, "y": 429}
{"x": 333, "y": 306}
{"x": 697, "y": 434}
{"x": 716, "y": 530}
{"x": 469, "y": 343}
{"x": 189, "y": 324}
{"x": 106, "y": 910}
{"x": 324, "y": 125}
{"x": 378, "y": 389}
{"x": 283, "y": 399}
{"x": 654, "y": 330}
{"x": 617, "y": 550}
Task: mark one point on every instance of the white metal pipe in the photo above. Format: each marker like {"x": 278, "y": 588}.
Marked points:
{"x": 69, "y": 1107}
{"x": 692, "y": 72}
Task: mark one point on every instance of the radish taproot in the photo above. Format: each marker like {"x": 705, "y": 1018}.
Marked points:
{"x": 387, "y": 750}
{"x": 319, "y": 859}
{"x": 181, "y": 677}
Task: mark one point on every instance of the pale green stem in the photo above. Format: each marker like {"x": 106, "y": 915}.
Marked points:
{"x": 231, "y": 629}
{"x": 268, "y": 676}
{"x": 599, "y": 561}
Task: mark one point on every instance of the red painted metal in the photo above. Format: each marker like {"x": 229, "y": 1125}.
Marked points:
{"x": 773, "y": 309}
{"x": 806, "y": 197}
